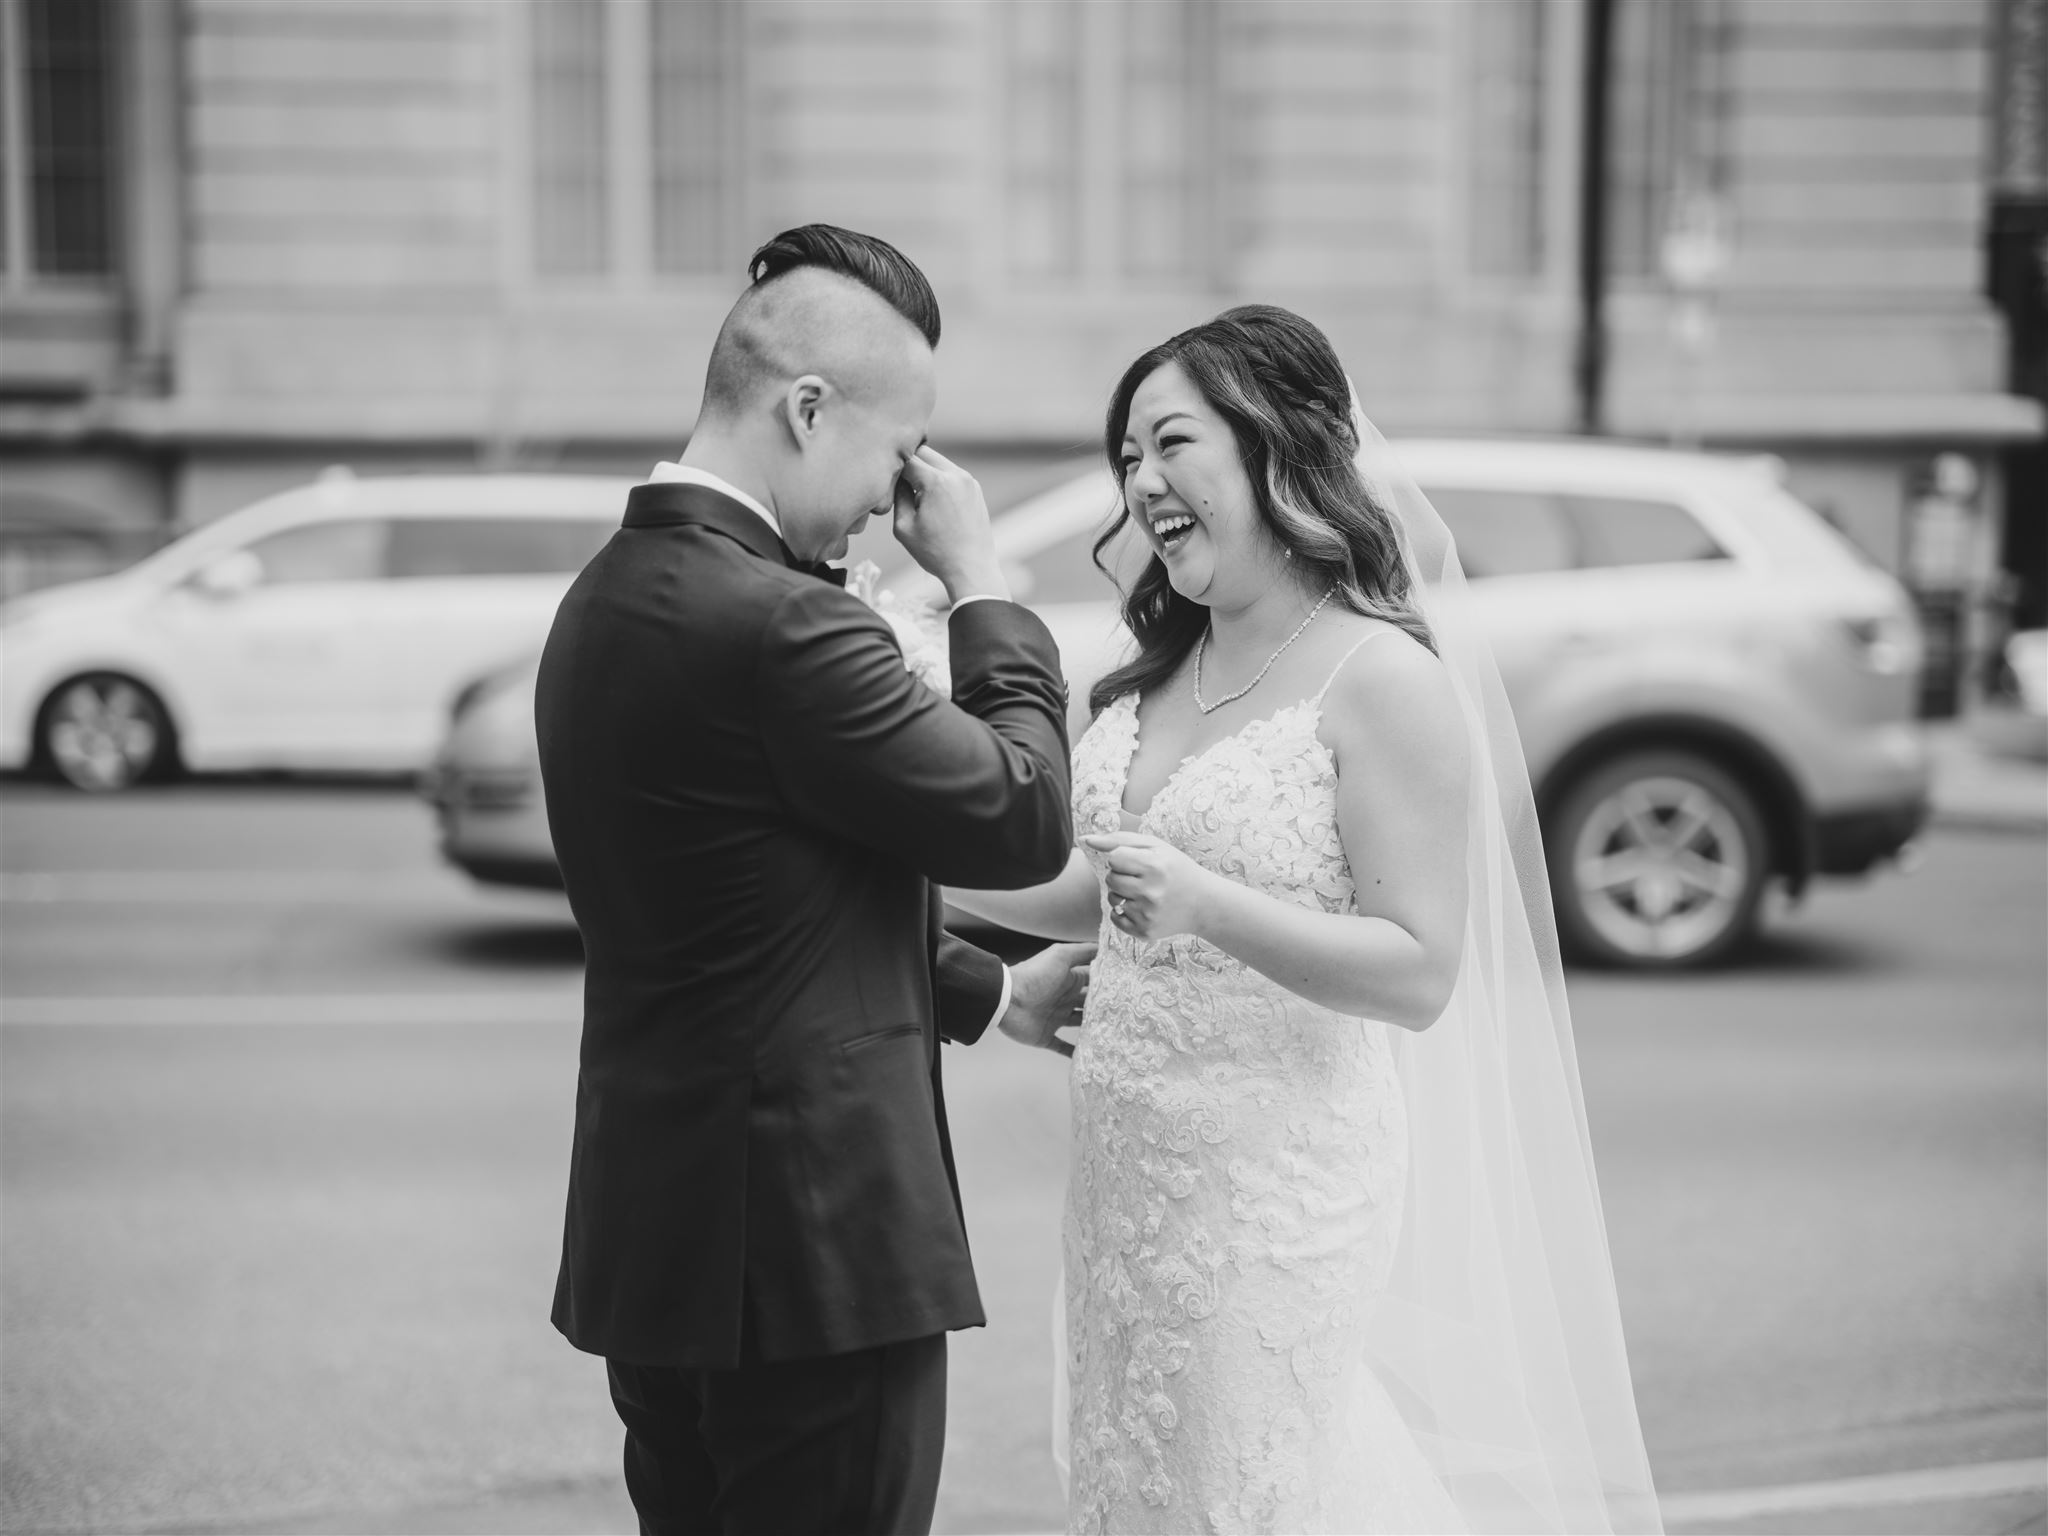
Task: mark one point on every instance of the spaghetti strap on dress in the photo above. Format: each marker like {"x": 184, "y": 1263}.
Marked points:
{"x": 1362, "y": 644}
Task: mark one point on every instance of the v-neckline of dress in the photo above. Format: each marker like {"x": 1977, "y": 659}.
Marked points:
{"x": 1135, "y": 820}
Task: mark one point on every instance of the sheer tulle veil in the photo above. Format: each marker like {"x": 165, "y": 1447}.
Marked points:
{"x": 1500, "y": 1333}
{"x": 1499, "y": 1337}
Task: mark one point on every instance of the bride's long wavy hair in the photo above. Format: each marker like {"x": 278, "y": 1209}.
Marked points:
{"x": 1275, "y": 379}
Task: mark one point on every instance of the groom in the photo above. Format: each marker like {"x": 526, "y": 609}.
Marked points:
{"x": 750, "y": 799}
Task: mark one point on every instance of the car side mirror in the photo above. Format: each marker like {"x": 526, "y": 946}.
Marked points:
{"x": 230, "y": 575}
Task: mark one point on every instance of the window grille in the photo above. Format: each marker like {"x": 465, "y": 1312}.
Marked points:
{"x": 56, "y": 139}
{"x": 1109, "y": 141}
{"x": 571, "y": 200}
{"x": 636, "y": 143}
{"x": 1508, "y": 40}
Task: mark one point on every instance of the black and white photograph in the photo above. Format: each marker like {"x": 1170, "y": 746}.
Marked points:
{"x": 1132, "y": 767}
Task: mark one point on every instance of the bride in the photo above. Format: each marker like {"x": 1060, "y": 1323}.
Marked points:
{"x": 1334, "y": 1258}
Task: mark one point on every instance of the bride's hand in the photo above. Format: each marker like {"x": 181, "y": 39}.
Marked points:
{"x": 1155, "y": 890}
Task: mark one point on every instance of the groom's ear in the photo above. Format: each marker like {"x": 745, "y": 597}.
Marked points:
{"x": 800, "y": 405}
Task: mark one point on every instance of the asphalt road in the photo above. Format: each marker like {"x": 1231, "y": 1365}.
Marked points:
{"x": 284, "y": 1113}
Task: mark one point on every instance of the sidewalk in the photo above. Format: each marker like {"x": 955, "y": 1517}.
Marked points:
{"x": 1990, "y": 772}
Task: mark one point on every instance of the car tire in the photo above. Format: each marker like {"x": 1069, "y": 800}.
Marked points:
{"x": 104, "y": 732}
{"x": 1658, "y": 861}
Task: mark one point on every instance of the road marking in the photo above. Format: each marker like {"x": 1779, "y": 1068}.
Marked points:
{"x": 551, "y": 1004}
{"x": 230, "y": 886}
{"x": 1931, "y": 1485}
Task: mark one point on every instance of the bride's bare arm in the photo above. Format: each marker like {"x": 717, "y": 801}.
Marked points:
{"x": 1402, "y": 765}
{"x": 1068, "y": 906}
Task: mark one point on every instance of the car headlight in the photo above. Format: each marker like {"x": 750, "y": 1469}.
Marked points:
{"x": 450, "y": 787}
{"x": 467, "y": 697}
{"x": 479, "y": 689}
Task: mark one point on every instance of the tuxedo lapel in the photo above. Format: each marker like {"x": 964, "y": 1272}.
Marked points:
{"x": 670, "y": 504}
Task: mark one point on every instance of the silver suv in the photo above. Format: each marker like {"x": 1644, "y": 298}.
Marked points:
{"x": 1713, "y": 689}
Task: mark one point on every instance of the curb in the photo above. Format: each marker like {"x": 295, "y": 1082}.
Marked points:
{"x": 1978, "y": 819}
{"x": 1983, "y": 782}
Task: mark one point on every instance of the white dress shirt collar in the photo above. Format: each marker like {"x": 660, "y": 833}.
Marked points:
{"x": 668, "y": 472}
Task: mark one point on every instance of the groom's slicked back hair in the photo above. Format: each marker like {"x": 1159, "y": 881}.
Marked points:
{"x": 745, "y": 357}
{"x": 874, "y": 264}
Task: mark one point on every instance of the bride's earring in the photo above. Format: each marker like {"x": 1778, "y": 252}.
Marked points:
{"x": 1287, "y": 553}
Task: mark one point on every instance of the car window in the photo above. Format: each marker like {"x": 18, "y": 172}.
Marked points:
{"x": 347, "y": 549}
{"x": 1506, "y": 532}
{"x": 425, "y": 547}
{"x": 1067, "y": 573}
{"x": 1615, "y": 530}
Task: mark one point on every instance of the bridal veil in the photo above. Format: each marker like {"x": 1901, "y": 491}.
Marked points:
{"x": 1500, "y": 1333}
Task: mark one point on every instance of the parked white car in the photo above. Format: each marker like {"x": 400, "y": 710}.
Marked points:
{"x": 327, "y": 628}
{"x": 1712, "y": 687}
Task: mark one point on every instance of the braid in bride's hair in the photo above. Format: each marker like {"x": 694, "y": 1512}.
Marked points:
{"x": 1275, "y": 379}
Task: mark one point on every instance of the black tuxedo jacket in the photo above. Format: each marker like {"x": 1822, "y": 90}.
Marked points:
{"x": 750, "y": 798}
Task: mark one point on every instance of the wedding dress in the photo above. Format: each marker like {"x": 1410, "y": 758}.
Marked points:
{"x": 1239, "y": 1165}
{"x": 1321, "y": 1274}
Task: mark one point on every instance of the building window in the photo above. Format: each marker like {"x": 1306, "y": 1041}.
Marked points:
{"x": 1165, "y": 105}
{"x": 56, "y": 140}
{"x": 695, "y": 142}
{"x": 1042, "y": 139}
{"x": 1663, "y": 124}
{"x": 1505, "y": 165}
{"x": 635, "y": 144}
{"x": 571, "y": 220}
{"x": 2019, "y": 138}
{"x": 1108, "y": 141}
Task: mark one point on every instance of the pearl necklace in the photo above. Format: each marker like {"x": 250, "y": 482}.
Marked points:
{"x": 1209, "y": 709}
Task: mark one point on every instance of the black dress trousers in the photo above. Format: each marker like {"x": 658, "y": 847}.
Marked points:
{"x": 840, "y": 1445}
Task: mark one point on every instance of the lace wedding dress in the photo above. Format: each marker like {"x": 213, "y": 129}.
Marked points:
{"x": 1239, "y": 1161}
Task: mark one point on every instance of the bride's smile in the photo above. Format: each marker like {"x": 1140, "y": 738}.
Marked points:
{"x": 1170, "y": 530}
{"x": 1185, "y": 486}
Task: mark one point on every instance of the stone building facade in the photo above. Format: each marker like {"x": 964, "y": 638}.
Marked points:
{"x": 244, "y": 239}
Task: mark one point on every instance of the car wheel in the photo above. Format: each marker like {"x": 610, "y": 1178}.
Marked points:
{"x": 104, "y": 732}
{"x": 1657, "y": 860}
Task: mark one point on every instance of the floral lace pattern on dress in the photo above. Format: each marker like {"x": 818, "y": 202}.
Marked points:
{"x": 1239, "y": 1161}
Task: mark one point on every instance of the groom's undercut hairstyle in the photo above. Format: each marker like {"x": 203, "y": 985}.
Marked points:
{"x": 874, "y": 264}
{"x": 812, "y": 301}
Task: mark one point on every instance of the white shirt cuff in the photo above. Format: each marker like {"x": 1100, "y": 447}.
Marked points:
{"x": 1003, "y": 1003}
{"x": 979, "y": 597}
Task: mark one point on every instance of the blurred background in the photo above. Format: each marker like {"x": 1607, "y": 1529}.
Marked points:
{"x": 245, "y": 239}
{"x": 333, "y": 331}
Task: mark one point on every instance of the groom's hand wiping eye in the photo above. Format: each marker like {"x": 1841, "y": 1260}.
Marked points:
{"x": 903, "y": 488}
{"x": 942, "y": 519}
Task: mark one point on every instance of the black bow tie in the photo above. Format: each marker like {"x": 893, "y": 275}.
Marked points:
{"x": 833, "y": 573}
